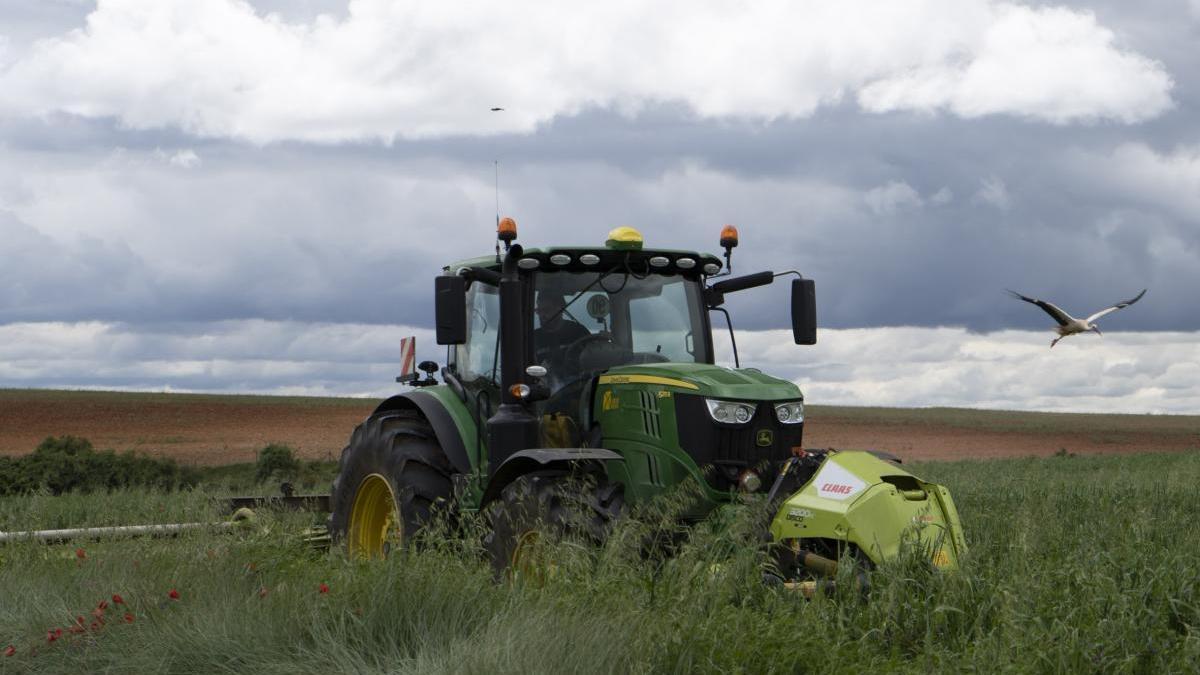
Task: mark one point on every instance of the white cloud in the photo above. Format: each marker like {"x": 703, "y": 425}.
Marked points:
{"x": 391, "y": 69}
{"x": 907, "y": 367}
{"x": 893, "y": 197}
{"x": 942, "y": 196}
{"x": 1036, "y": 62}
{"x": 185, "y": 159}
{"x": 993, "y": 191}
{"x": 279, "y": 357}
{"x": 914, "y": 367}
{"x": 1170, "y": 180}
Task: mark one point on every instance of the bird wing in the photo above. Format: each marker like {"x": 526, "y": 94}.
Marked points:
{"x": 1120, "y": 305}
{"x": 1048, "y": 307}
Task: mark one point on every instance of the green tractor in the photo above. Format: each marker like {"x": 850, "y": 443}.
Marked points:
{"x": 581, "y": 379}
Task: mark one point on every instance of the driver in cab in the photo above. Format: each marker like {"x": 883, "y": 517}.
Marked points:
{"x": 556, "y": 331}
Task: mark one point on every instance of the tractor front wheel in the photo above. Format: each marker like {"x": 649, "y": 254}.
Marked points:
{"x": 543, "y": 507}
{"x": 392, "y": 477}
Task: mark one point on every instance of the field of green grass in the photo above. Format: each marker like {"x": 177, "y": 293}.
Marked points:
{"x": 1077, "y": 564}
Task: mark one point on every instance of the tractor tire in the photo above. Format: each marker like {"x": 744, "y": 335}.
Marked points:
{"x": 555, "y": 505}
{"x": 392, "y": 478}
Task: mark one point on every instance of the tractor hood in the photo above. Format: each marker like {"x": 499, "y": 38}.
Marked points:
{"x": 706, "y": 379}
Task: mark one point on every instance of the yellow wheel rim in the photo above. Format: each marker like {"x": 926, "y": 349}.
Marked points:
{"x": 375, "y": 525}
{"x": 530, "y": 560}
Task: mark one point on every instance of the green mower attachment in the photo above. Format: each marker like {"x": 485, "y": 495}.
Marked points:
{"x": 861, "y": 505}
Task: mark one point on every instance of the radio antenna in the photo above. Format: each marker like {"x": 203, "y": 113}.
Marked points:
{"x": 496, "y": 165}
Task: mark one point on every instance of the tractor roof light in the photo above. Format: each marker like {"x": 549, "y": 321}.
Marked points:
{"x": 624, "y": 238}
{"x": 729, "y": 241}
{"x": 506, "y": 230}
{"x": 729, "y": 237}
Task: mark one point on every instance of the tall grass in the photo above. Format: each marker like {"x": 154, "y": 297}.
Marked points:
{"x": 1076, "y": 564}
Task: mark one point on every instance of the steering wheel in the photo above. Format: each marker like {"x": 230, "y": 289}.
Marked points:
{"x": 574, "y": 351}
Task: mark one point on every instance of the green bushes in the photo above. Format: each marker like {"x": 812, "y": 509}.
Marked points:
{"x": 66, "y": 464}
{"x": 276, "y": 461}
{"x": 70, "y": 464}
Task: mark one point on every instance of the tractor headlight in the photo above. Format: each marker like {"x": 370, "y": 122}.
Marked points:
{"x": 791, "y": 412}
{"x": 729, "y": 412}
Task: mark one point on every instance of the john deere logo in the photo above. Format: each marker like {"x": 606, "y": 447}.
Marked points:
{"x": 765, "y": 438}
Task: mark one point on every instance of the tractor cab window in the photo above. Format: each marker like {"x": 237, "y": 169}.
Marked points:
{"x": 476, "y": 359}
{"x": 587, "y": 322}
{"x": 664, "y": 322}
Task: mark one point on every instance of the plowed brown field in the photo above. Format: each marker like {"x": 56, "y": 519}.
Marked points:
{"x": 211, "y": 429}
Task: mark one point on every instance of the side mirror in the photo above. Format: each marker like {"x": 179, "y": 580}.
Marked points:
{"x": 804, "y": 311}
{"x": 450, "y": 308}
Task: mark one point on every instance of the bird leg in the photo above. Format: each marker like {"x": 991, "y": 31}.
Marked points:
{"x": 1054, "y": 342}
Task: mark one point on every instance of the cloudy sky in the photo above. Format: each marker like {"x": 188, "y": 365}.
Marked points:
{"x": 221, "y": 195}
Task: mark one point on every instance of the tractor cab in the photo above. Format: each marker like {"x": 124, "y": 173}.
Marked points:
{"x": 574, "y": 314}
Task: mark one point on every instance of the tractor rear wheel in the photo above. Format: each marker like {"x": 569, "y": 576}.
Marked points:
{"x": 392, "y": 477}
{"x": 548, "y": 506}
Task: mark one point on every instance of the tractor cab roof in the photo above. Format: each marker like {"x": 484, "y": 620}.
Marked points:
{"x": 594, "y": 259}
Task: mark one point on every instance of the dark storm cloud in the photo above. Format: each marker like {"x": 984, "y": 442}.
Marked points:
{"x": 903, "y": 218}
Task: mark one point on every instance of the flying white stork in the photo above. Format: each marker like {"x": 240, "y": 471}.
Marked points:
{"x": 1069, "y": 325}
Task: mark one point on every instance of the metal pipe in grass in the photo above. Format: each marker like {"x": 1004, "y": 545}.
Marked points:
{"x": 115, "y": 532}
{"x": 241, "y": 517}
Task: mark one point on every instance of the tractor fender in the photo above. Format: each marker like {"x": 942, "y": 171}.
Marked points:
{"x": 537, "y": 459}
{"x": 439, "y": 418}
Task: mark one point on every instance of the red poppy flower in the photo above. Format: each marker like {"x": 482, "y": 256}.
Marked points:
{"x": 98, "y": 613}
{"x": 50, "y": 636}
{"x": 323, "y": 588}
{"x": 10, "y": 651}
{"x": 173, "y": 594}
{"x": 80, "y": 553}
{"x": 79, "y": 620}
{"x": 117, "y": 600}
{"x": 104, "y": 604}
{"x": 128, "y": 617}
{"x": 96, "y": 625}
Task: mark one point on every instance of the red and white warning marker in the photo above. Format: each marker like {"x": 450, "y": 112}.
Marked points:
{"x": 408, "y": 359}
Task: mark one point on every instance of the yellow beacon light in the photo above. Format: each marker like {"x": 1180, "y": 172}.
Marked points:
{"x": 729, "y": 237}
{"x": 624, "y": 238}
{"x": 506, "y": 230}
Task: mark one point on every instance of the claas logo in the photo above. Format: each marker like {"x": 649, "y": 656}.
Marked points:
{"x": 837, "y": 488}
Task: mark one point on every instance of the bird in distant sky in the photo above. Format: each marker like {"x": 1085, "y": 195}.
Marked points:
{"x": 1069, "y": 325}
{"x": 497, "y": 109}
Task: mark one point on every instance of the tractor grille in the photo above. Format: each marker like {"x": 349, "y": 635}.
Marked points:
{"x": 650, "y": 417}
{"x": 725, "y": 450}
